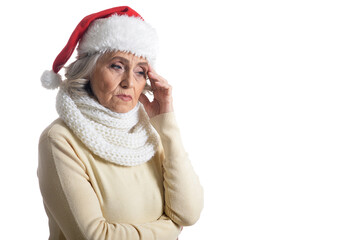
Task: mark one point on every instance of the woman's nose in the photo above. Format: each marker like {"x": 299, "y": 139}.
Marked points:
{"x": 127, "y": 81}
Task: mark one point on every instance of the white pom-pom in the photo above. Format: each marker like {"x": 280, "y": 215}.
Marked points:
{"x": 50, "y": 79}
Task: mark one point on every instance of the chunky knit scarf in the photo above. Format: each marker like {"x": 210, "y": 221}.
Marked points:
{"x": 126, "y": 139}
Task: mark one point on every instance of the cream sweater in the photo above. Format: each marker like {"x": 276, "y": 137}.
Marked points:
{"x": 86, "y": 197}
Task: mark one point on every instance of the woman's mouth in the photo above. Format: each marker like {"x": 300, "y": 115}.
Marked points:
{"x": 125, "y": 97}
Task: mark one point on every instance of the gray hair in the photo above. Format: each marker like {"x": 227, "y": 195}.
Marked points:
{"x": 79, "y": 72}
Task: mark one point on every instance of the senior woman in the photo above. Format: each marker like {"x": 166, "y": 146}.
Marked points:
{"x": 113, "y": 165}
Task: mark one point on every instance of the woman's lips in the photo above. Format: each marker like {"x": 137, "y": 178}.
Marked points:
{"x": 124, "y": 97}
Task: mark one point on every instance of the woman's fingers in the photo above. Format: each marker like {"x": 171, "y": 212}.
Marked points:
{"x": 162, "y": 92}
{"x": 155, "y": 79}
{"x": 150, "y": 69}
{"x": 159, "y": 84}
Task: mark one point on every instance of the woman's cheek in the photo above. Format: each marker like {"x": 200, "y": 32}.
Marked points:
{"x": 109, "y": 85}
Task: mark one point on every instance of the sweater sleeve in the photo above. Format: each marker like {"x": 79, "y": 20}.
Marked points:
{"x": 72, "y": 203}
{"x": 183, "y": 191}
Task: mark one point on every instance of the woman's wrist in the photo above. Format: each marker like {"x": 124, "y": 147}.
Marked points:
{"x": 166, "y": 109}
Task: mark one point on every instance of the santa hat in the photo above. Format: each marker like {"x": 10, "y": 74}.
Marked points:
{"x": 119, "y": 28}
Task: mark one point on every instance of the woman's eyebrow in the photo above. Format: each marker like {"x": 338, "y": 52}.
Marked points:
{"x": 121, "y": 58}
{"x": 127, "y": 61}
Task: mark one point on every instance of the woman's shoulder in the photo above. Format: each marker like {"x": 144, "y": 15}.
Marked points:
{"x": 56, "y": 130}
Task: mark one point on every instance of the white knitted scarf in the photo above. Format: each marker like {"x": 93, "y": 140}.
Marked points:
{"x": 126, "y": 139}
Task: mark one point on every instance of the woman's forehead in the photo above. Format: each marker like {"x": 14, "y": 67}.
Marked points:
{"x": 125, "y": 56}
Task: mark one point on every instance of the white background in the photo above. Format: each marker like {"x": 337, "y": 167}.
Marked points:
{"x": 267, "y": 95}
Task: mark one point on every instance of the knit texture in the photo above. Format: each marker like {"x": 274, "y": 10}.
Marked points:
{"x": 126, "y": 139}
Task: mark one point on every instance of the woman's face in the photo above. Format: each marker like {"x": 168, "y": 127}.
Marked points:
{"x": 118, "y": 80}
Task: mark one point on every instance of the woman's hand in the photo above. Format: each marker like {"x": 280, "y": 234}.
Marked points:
{"x": 162, "y": 91}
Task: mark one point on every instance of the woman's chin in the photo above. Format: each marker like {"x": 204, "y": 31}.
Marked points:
{"x": 123, "y": 107}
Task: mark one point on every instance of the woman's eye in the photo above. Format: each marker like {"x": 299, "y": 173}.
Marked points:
{"x": 116, "y": 66}
{"x": 140, "y": 72}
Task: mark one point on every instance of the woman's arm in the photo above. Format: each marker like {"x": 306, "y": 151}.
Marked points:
{"x": 71, "y": 201}
{"x": 183, "y": 191}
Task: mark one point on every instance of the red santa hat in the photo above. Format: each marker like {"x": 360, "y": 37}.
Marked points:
{"x": 119, "y": 28}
